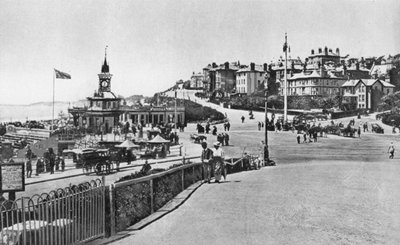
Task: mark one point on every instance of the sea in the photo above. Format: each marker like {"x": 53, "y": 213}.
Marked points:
{"x": 37, "y": 111}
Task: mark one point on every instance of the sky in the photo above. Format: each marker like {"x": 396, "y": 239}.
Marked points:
{"x": 153, "y": 44}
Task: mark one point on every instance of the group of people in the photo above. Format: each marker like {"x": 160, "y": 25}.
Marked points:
{"x": 308, "y": 136}
{"x": 47, "y": 163}
{"x": 227, "y": 126}
{"x": 213, "y": 162}
{"x": 223, "y": 138}
{"x": 260, "y": 125}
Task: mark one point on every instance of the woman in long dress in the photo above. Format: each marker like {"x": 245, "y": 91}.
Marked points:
{"x": 218, "y": 158}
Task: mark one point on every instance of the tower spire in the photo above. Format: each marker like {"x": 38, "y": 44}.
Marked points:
{"x": 105, "y": 68}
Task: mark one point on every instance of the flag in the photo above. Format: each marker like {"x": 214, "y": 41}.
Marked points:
{"x": 285, "y": 47}
{"x": 62, "y": 75}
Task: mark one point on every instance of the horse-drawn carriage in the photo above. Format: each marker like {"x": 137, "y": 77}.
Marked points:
{"x": 92, "y": 160}
{"x": 97, "y": 161}
{"x": 349, "y": 131}
{"x": 377, "y": 128}
{"x": 197, "y": 139}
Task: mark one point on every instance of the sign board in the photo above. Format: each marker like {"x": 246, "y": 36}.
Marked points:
{"x": 12, "y": 177}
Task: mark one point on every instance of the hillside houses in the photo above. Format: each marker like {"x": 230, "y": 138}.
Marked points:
{"x": 325, "y": 72}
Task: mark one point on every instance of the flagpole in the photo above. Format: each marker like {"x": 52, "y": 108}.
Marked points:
{"x": 285, "y": 83}
{"x": 54, "y": 78}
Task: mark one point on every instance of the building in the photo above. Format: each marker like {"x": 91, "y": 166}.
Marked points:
{"x": 196, "y": 81}
{"x": 249, "y": 79}
{"x": 315, "y": 83}
{"x": 209, "y": 77}
{"x": 366, "y": 93}
{"x": 225, "y": 77}
{"x": 277, "y": 72}
{"x": 324, "y": 56}
{"x": 104, "y": 111}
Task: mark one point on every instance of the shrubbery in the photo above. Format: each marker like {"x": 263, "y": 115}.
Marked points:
{"x": 391, "y": 119}
{"x": 195, "y": 112}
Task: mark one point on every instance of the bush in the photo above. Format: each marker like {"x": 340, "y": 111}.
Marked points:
{"x": 391, "y": 119}
{"x": 195, "y": 112}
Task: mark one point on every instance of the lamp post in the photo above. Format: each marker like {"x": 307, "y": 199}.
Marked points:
{"x": 265, "y": 146}
{"x": 175, "y": 116}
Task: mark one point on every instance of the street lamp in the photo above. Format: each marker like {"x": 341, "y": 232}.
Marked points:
{"x": 265, "y": 146}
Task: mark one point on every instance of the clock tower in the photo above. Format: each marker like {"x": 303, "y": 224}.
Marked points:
{"x": 105, "y": 77}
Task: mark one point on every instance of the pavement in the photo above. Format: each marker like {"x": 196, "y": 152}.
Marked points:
{"x": 338, "y": 190}
{"x": 330, "y": 202}
{"x": 335, "y": 191}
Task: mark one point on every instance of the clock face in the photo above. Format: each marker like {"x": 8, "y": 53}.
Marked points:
{"x": 104, "y": 84}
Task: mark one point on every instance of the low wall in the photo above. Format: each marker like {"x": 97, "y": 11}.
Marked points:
{"x": 132, "y": 200}
{"x": 136, "y": 199}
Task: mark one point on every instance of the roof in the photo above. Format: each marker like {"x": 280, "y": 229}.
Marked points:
{"x": 367, "y": 82}
{"x": 380, "y": 69}
{"x": 302, "y": 75}
{"x": 350, "y": 83}
{"x": 386, "y": 84}
{"x": 323, "y": 54}
{"x": 257, "y": 68}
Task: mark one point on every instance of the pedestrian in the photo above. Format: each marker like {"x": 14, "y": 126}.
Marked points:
{"x": 134, "y": 130}
{"x": 226, "y": 138}
{"x": 57, "y": 162}
{"x": 214, "y": 132}
{"x": 29, "y": 168}
{"x": 207, "y": 128}
{"x": 38, "y": 166}
{"x": 304, "y": 137}
{"x": 220, "y": 138}
{"x": 391, "y": 151}
{"x": 262, "y": 124}
{"x": 359, "y": 132}
{"x": 129, "y": 156}
{"x": 206, "y": 159}
{"x": 259, "y": 126}
{"x": 225, "y": 126}
{"x": 62, "y": 161}
{"x": 218, "y": 159}
{"x": 228, "y": 126}
{"x": 298, "y": 136}
{"x": 51, "y": 160}
{"x": 315, "y": 135}
{"x": 242, "y": 119}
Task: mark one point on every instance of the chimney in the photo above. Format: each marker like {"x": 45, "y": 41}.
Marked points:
{"x": 214, "y": 65}
{"x": 326, "y": 50}
{"x": 312, "y": 51}
{"x": 357, "y": 66}
{"x": 252, "y": 66}
{"x": 337, "y": 51}
{"x": 330, "y": 50}
{"x": 265, "y": 67}
{"x": 320, "y": 50}
{"x": 226, "y": 65}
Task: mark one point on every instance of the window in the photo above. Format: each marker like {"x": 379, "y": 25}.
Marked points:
{"x": 387, "y": 91}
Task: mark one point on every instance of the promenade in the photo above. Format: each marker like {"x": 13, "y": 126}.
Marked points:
{"x": 331, "y": 202}
{"x": 336, "y": 191}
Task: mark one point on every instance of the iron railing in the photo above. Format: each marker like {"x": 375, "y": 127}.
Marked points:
{"x": 65, "y": 216}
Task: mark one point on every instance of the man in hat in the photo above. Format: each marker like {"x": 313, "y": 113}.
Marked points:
{"x": 206, "y": 159}
{"x": 218, "y": 159}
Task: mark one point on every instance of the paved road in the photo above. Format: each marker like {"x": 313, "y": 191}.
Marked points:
{"x": 329, "y": 202}
{"x": 335, "y": 191}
